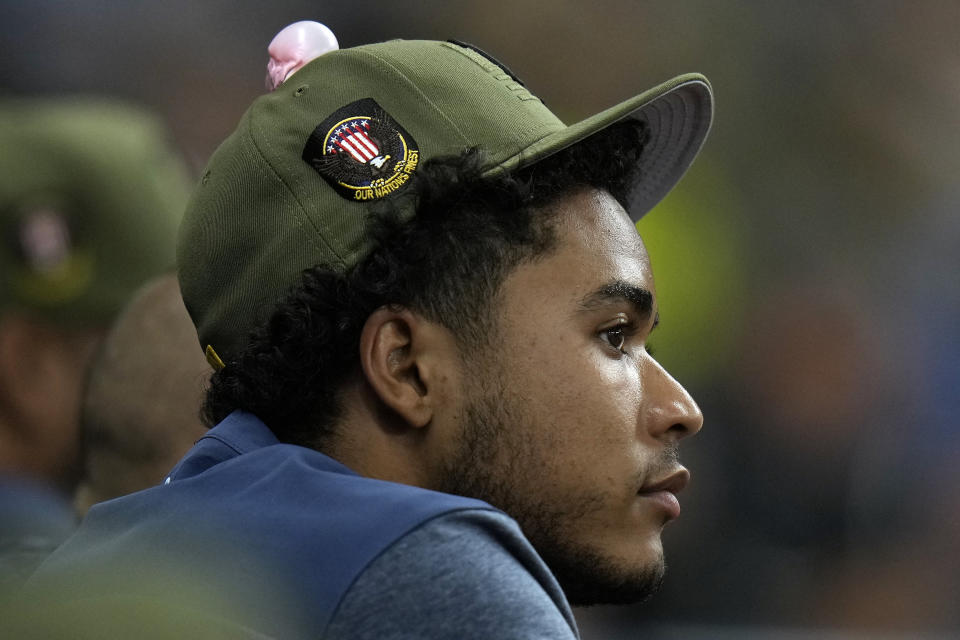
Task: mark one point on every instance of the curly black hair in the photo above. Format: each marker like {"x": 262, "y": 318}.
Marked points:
{"x": 446, "y": 263}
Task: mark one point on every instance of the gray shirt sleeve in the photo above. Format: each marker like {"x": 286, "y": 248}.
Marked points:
{"x": 466, "y": 574}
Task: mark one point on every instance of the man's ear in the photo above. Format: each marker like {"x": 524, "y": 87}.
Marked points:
{"x": 402, "y": 355}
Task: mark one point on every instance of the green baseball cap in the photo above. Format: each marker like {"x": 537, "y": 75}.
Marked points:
{"x": 91, "y": 196}
{"x": 293, "y": 185}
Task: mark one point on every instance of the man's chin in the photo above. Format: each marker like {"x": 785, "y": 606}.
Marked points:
{"x": 589, "y": 578}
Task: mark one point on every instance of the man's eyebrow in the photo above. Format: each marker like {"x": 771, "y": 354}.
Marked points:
{"x": 619, "y": 291}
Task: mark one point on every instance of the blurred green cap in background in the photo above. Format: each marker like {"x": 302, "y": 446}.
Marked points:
{"x": 91, "y": 194}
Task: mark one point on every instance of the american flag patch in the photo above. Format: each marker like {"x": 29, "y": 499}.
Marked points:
{"x": 362, "y": 152}
{"x": 354, "y": 138}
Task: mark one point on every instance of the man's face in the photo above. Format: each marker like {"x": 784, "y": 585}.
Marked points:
{"x": 568, "y": 424}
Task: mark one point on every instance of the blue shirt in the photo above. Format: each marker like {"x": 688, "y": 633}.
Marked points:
{"x": 288, "y": 542}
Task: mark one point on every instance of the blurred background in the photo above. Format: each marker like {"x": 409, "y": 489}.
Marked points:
{"x": 808, "y": 267}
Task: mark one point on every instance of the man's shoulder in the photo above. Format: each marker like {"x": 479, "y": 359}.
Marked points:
{"x": 278, "y": 515}
{"x": 240, "y": 460}
{"x": 292, "y": 503}
{"x": 463, "y": 574}
{"x": 239, "y": 478}
{"x": 300, "y": 485}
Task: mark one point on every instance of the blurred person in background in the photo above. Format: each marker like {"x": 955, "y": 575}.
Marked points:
{"x": 141, "y": 407}
{"x": 809, "y": 376}
{"x": 90, "y": 199}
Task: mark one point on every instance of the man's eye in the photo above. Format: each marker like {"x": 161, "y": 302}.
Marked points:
{"x": 615, "y": 337}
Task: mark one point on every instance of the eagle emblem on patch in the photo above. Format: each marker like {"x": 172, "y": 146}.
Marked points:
{"x": 362, "y": 152}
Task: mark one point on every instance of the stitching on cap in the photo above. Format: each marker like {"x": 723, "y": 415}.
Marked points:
{"x": 415, "y": 88}
{"x": 519, "y": 154}
{"x": 465, "y": 53}
{"x": 494, "y": 71}
{"x": 303, "y": 209}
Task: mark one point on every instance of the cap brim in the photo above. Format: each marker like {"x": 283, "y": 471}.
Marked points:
{"x": 678, "y": 113}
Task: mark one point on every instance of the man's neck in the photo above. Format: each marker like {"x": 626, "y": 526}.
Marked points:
{"x": 373, "y": 442}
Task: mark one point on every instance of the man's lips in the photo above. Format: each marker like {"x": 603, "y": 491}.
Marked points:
{"x": 674, "y": 482}
{"x": 663, "y": 492}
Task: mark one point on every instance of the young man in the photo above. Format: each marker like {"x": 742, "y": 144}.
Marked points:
{"x": 428, "y": 309}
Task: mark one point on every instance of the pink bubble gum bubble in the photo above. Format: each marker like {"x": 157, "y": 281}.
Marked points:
{"x": 296, "y": 45}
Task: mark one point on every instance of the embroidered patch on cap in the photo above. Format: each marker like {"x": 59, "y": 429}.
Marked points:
{"x": 362, "y": 152}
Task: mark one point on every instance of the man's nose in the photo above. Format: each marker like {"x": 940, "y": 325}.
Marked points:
{"x": 671, "y": 410}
